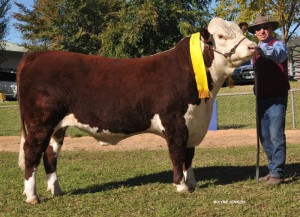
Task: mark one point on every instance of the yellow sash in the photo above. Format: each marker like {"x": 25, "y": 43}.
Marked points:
{"x": 199, "y": 66}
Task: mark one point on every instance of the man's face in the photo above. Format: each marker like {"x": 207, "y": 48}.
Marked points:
{"x": 263, "y": 32}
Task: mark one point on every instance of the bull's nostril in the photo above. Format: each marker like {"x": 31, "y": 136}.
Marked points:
{"x": 252, "y": 47}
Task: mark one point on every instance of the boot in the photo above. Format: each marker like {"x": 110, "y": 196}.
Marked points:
{"x": 273, "y": 182}
{"x": 264, "y": 178}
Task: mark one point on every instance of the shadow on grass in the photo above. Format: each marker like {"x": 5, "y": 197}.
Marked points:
{"x": 219, "y": 175}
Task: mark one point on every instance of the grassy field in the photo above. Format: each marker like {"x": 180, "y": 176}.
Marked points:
{"x": 138, "y": 183}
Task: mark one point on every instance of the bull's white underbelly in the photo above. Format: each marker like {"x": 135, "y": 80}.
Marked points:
{"x": 105, "y": 137}
{"x": 197, "y": 120}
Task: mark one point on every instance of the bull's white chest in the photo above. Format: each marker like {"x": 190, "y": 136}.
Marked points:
{"x": 197, "y": 120}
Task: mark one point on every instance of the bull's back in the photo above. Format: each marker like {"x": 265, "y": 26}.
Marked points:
{"x": 66, "y": 70}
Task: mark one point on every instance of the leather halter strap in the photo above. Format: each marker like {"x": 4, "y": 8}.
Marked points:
{"x": 226, "y": 55}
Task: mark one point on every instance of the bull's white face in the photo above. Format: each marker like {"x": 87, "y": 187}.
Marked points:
{"x": 224, "y": 36}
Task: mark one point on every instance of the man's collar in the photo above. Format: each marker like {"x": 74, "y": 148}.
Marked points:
{"x": 267, "y": 40}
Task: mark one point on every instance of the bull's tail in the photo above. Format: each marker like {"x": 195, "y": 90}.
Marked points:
{"x": 22, "y": 123}
{"x": 21, "y": 152}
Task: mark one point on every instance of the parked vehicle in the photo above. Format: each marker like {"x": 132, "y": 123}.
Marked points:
{"x": 8, "y": 84}
{"x": 244, "y": 74}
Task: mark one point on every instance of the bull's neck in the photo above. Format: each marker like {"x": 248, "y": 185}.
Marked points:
{"x": 217, "y": 78}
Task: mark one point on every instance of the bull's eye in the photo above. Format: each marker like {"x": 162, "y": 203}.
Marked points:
{"x": 221, "y": 37}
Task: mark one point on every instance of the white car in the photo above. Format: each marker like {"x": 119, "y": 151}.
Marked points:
{"x": 8, "y": 84}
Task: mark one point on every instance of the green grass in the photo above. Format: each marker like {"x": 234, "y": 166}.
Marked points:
{"x": 9, "y": 119}
{"x": 138, "y": 183}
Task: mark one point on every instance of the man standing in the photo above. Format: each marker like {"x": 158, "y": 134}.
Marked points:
{"x": 272, "y": 89}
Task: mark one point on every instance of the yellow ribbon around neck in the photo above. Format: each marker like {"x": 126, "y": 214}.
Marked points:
{"x": 199, "y": 66}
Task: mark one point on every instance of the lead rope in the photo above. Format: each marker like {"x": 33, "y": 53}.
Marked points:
{"x": 229, "y": 54}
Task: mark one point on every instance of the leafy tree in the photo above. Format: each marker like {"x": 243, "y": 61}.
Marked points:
{"x": 147, "y": 27}
{"x": 115, "y": 28}
{"x": 286, "y": 12}
{"x": 4, "y": 8}
{"x": 71, "y": 25}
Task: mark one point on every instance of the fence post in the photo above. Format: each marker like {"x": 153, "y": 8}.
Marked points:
{"x": 291, "y": 63}
{"x": 293, "y": 109}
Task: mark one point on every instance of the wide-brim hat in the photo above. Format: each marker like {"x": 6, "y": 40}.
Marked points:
{"x": 261, "y": 19}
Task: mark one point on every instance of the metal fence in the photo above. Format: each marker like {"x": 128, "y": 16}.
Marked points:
{"x": 237, "y": 111}
{"x": 294, "y": 61}
{"x": 234, "y": 111}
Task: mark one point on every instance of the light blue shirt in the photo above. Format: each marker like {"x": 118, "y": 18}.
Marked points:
{"x": 278, "y": 52}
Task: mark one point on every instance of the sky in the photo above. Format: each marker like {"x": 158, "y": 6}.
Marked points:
{"x": 13, "y": 35}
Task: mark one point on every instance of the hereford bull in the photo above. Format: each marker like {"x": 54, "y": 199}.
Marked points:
{"x": 116, "y": 98}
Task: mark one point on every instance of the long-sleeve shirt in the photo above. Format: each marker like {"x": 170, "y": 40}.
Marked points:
{"x": 278, "y": 52}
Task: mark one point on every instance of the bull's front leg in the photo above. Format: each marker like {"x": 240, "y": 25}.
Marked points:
{"x": 176, "y": 134}
{"x": 178, "y": 158}
{"x": 188, "y": 170}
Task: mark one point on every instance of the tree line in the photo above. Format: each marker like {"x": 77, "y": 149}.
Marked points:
{"x": 114, "y": 28}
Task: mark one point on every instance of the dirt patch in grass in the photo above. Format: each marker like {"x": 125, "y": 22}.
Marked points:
{"x": 219, "y": 138}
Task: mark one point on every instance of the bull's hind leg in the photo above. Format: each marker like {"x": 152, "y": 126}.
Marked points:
{"x": 50, "y": 159}
{"x": 35, "y": 144}
{"x": 188, "y": 170}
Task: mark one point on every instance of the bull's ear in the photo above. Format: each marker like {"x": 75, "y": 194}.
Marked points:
{"x": 205, "y": 35}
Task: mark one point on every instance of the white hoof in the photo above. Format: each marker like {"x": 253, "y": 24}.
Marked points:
{"x": 55, "y": 191}
{"x": 53, "y": 185}
{"x": 33, "y": 200}
{"x": 182, "y": 187}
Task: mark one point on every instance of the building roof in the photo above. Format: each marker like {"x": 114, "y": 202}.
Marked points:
{"x": 14, "y": 47}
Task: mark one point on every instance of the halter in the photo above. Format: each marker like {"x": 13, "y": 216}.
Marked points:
{"x": 226, "y": 55}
